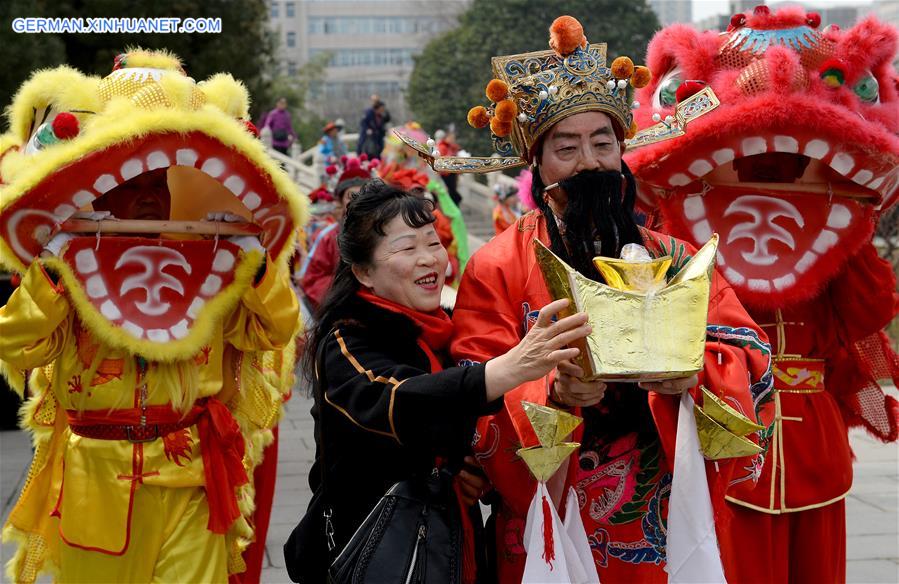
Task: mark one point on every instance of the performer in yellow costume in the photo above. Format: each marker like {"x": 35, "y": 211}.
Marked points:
{"x": 156, "y": 362}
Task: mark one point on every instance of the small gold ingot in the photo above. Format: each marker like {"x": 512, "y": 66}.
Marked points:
{"x": 552, "y": 426}
{"x": 543, "y": 462}
{"x": 633, "y": 276}
{"x": 718, "y": 410}
{"x": 716, "y": 442}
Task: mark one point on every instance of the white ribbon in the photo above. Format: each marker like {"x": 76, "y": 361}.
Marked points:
{"x": 692, "y": 549}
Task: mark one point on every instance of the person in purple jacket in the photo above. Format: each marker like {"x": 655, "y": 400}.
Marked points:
{"x": 278, "y": 121}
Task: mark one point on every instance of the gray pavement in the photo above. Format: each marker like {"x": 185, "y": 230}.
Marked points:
{"x": 872, "y": 506}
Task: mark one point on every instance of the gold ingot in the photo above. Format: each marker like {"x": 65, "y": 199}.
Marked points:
{"x": 633, "y": 276}
{"x": 552, "y": 426}
{"x": 716, "y": 442}
{"x": 735, "y": 422}
{"x": 637, "y": 336}
{"x": 543, "y": 462}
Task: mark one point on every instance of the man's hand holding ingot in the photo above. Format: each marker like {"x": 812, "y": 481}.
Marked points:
{"x": 670, "y": 386}
{"x": 569, "y": 390}
{"x": 473, "y": 483}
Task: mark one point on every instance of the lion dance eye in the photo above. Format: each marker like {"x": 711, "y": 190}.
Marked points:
{"x": 666, "y": 93}
{"x": 867, "y": 89}
{"x": 64, "y": 126}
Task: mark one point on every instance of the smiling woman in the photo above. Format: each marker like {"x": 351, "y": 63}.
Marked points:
{"x": 385, "y": 407}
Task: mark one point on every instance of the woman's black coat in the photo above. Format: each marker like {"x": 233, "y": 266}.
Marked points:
{"x": 385, "y": 417}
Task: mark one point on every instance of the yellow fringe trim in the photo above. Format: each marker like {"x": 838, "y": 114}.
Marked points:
{"x": 31, "y": 558}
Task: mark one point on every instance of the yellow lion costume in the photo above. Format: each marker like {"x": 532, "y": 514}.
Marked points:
{"x": 157, "y": 349}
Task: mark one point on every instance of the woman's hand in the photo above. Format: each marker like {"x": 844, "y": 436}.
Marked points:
{"x": 541, "y": 350}
{"x": 569, "y": 390}
{"x": 670, "y": 386}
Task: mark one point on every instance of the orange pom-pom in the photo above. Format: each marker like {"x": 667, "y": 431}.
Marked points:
{"x": 565, "y": 35}
{"x": 632, "y": 131}
{"x": 641, "y": 77}
{"x": 499, "y": 127}
{"x": 506, "y": 110}
{"x": 497, "y": 90}
{"x": 622, "y": 68}
{"x": 478, "y": 117}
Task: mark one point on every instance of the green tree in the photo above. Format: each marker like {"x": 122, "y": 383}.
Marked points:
{"x": 295, "y": 88}
{"x": 23, "y": 53}
{"x": 244, "y": 47}
{"x": 451, "y": 73}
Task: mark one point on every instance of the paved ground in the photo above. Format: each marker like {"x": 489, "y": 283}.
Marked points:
{"x": 872, "y": 507}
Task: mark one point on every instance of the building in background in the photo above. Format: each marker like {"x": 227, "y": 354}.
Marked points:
{"x": 843, "y": 16}
{"x": 372, "y": 45}
{"x": 720, "y": 22}
{"x": 671, "y": 11}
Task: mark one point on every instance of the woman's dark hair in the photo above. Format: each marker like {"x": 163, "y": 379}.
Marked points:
{"x": 376, "y": 205}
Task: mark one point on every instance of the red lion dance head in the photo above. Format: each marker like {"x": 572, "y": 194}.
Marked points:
{"x": 795, "y": 163}
{"x": 791, "y": 169}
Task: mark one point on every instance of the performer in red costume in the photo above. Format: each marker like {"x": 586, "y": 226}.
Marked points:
{"x": 318, "y": 273}
{"x": 567, "y": 113}
{"x": 792, "y": 170}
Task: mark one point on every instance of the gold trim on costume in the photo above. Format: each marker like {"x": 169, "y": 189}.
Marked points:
{"x": 373, "y": 378}
{"x": 773, "y": 511}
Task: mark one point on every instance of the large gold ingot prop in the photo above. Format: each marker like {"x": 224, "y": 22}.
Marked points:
{"x": 645, "y": 329}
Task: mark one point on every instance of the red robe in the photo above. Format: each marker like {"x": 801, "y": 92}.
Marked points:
{"x": 823, "y": 348}
{"x": 622, "y": 480}
{"x": 322, "y": 266}
{"x": 503, "y": 218}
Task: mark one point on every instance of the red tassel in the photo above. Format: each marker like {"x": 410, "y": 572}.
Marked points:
{"x": 549, "y": 550}
{"x": 469, "y": 564}
{"x": 222, "y": 446}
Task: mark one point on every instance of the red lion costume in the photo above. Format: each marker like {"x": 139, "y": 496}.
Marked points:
{"x": 792, "y": 169}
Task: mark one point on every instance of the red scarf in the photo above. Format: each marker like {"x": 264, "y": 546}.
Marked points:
{"x": 436, "y": 326}
{"x": 436, "y": 331}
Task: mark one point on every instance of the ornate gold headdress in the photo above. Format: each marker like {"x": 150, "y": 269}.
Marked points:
{"x": 531, "y": 92}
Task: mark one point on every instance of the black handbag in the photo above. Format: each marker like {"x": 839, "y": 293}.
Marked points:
{"x": 412, "y": 535}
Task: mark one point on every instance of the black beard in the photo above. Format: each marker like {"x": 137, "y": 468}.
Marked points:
{"x": 596, "y": 209}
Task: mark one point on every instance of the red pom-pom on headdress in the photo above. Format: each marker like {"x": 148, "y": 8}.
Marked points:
{"x": 566, "y": 34}
{"x": 331, "y": 170}
{"x": 251, "y": 128}
{"x": 478, "y": 117}
{"x": 506, "y": 110}
{"x": 641, "y": 78}
{"x": 737, "y": 20}
{"x": 687, "y": 89}
{"x": 500, "y": 128}
{"x": 65, "y": 126}
{"x": 497, "y": 90}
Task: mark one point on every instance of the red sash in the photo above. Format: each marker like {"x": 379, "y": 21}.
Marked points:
{"x": 221, "y": 444}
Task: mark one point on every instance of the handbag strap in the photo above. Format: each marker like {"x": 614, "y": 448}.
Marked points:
{"x": 318, "y": 391}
